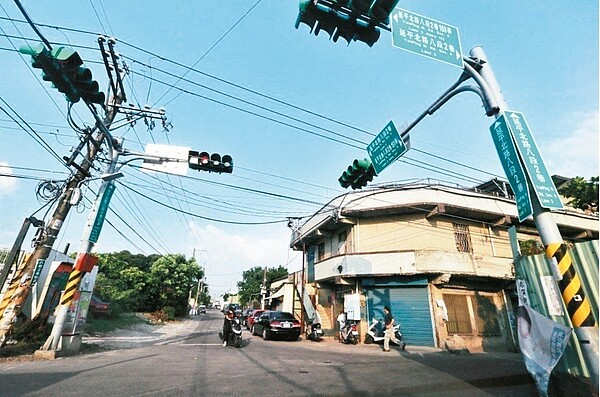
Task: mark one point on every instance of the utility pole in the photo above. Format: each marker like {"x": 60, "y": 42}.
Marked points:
{"x": 55, "y": 65}
{"x": 44, "y": 245}
{"x": 16, "y": 248}
{"x": 263, "y": 289}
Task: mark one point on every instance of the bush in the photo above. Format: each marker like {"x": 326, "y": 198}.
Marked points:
{"x": 169, "y": 312}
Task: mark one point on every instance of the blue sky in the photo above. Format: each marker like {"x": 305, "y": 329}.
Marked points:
{"x": 291, "y": 108}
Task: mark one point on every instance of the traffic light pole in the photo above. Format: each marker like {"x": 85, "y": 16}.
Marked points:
{"x": 577, "y": 303}
{"x": 72, "y": 344}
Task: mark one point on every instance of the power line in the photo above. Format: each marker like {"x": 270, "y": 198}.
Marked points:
{"x": 31, "y": 132}
{"x": 206, "y": 53}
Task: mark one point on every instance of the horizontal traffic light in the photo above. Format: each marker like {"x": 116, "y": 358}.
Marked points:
{"x": 358, "y": 174}
{"x": 352, "y": 20}
{"x": 212, "y": 163}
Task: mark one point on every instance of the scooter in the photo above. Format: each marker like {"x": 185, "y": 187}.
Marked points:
{"x": 375, "y": 334}
{"x": 315, "y": 333}
{"x": 350, "y": 334}
{"x": 235, "y": 336}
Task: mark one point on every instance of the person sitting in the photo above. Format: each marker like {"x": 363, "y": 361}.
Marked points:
{"x": 230, "y": 315}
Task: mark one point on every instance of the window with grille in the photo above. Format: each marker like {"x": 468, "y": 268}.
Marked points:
{"x": 459, "y": 321}
{"x": 462, "y": 237}
{"x": 486, "y": 315}
{"x": 321, "y": 251}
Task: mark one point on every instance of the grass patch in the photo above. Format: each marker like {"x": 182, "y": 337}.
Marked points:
{"x": 108, "y": 324}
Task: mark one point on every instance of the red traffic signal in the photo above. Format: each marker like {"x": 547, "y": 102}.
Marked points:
{"x": 211, "y": 163}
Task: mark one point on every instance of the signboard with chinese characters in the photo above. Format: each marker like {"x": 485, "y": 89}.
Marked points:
{"x": 425, "y": 36}
{"x": 512, "y": 166}
{"x": 532, "y": 160}
{"x": 386, "y": 148}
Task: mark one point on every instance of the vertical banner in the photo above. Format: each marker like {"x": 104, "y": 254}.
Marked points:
{"x": 542, "y": 343}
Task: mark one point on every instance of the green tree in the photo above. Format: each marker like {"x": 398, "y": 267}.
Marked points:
{"x": 583, "y": 194}
{"x": 170, "y": 281}
{"x": 252, "y": 279}
{"x": 120, "y": 283}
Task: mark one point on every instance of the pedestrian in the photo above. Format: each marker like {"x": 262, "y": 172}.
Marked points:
{"x": 341, "y": 319}
{"x": 389, "y": 330}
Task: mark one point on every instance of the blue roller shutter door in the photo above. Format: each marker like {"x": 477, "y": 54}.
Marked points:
{"x": 409, "y": 306}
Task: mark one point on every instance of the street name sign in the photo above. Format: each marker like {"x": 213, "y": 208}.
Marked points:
{"x": 102, "y": 210}
{"x": 513, "y": 168}
{"x": 532, "y": 159}
{"x": 425, "y": 36}
{"x": 386, "y": 148}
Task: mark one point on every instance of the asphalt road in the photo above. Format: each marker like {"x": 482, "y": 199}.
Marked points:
{"x": 194, "y": 363}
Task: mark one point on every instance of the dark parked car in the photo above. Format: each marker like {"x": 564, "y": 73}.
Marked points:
{"x": 98, "y": 307}
{"x": 245, "y": 314}
{"x": 275, "y": 323}
{"x": 253, "y": 317}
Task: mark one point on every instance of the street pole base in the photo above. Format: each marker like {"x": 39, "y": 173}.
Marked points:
{"x": 70, "y": 346}
{"x": 48, "y": 354}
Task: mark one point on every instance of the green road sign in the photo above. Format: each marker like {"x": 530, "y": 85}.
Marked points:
{"x": 386, "y": 147}
{"x": 39, "y": 266}
{"x": 512, "y": 166}
{"x": 425, "y": 36}
{"x": 530, "y": 155}
{"x": 101, "y": 214}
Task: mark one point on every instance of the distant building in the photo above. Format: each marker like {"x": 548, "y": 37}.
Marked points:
{"x": 439, "y": 256}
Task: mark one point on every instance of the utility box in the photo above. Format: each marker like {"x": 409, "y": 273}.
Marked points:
{"x": 352, "y": 307}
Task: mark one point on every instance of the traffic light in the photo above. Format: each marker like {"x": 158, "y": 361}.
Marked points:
{"x": 381, "y": 10}
{"x": 88, "y": 89}
{"x": 52, "y": 68}
{"x": 63, "y": 67}
{"x": 358, "y": 174}
{"x": 352, "y": 20}
{"x": 212, "y": 163}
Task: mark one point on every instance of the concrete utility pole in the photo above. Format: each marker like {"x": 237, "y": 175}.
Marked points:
{"x": 44, "y": 245}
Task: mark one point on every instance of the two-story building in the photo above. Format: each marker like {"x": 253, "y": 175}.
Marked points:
{"x": 438, "y": 256}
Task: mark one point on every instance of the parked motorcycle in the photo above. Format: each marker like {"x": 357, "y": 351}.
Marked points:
{"x": 235, "y": 336}
{"x": 315, "y": 333}
{"x": 350, "y": 334}
{"x": 375, "y": 334}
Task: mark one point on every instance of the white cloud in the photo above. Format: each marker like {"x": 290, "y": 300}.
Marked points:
{"x": 575, "y": 151}
{"x": 228, "y": 252}
{"x": 7, "y": 184}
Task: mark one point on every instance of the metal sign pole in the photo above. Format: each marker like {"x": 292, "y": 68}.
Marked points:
{"x": 573, "y": 295}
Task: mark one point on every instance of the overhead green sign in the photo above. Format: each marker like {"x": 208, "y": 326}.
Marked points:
{"x": 513, "y": 169}
{"x": 386, "y": 147}
{"x": 532, "y": 159}
{"x": 425, "y": 36}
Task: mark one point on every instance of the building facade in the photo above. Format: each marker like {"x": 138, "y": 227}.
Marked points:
{"x": 439, "y": 257}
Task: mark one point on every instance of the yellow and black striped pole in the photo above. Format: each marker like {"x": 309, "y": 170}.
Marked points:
{"x": 578, "y": 305}
{"x": 71, "y": 288}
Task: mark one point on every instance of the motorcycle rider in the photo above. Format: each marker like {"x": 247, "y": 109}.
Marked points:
{"x": 230, "y": 315}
